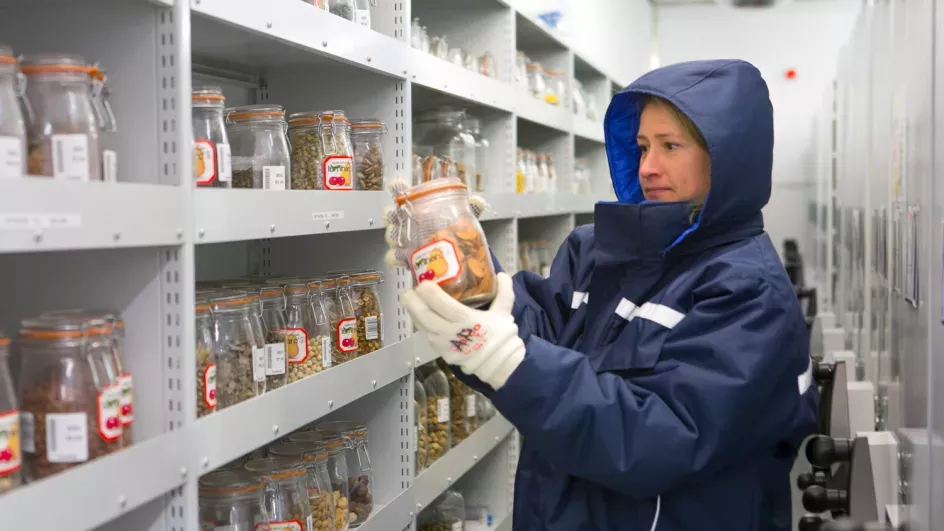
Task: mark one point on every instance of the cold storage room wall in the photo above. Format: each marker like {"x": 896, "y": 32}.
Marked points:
{"x": 804, "y": 36}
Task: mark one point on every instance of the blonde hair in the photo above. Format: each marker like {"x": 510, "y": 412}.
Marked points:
{"x": 690, "y": 129}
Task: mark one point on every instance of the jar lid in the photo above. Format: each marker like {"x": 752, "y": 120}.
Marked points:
{"x": 207, "y": 96}
{"x": 306, "y": 451}
{"x": 367, "y": 125}
{"x": 63, "y": 327}
{"x": 331, "y": 442}
{"x": 296, "y": 289}
{"x": 276, "y": 467}
{"x": 228, "y": 482}
{"x": 46, "y": 63}
{"x": 436, "y": 185}
{"x": 249, "y": 113}
{"x": 344, "y": 427}
{"x": 363, "y": 277}
{"x": 230, "y": 302}
{"x": 325, "y": 118}
{"x": 6, "y": 55}
{"x": 273, "y": 293}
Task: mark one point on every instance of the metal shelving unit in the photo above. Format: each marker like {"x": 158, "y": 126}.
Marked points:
{"x": 140, "y": 244}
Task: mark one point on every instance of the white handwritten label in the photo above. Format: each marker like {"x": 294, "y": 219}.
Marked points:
{"x": 273, "y": 177}
{"x": 66, "y": 437}
{"x": 109, "y": 166}
{"x": 11, "y": 157}
{"x": 442, "y": 410}
{"x": 70, "y": 157}
{"x": 258, "y": 364}
{"x": 327, "y": 216}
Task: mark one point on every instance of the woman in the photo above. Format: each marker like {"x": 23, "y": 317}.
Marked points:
{"x": 660, "y": 377}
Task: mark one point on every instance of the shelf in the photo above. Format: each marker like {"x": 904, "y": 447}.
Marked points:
{"x": 398, "y": 514}
{"x": 588, "y": 129}
{"x": 540, "y": 113}
{"x": 449, "y": 468}
{"x": 39, "y": 214}
{"x": 288, "y": 32}
{"x": 443, "y": 76}
{"x": 122, "y": 481}
{"x": 235, "y": 215}
{"x": 240, "y": 429}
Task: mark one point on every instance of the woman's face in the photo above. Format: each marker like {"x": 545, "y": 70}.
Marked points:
{"x": 672, "y": 166}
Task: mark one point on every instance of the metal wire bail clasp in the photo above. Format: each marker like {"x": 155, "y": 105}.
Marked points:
{"x": 100, "y": 104}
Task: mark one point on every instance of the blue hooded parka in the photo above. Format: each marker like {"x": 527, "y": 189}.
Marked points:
{"x": 666, "y": 383}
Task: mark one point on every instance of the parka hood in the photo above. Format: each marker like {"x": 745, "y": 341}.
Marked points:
{"x": 729, "y": 102}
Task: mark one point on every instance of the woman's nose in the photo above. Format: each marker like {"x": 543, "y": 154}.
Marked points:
{"x": 649, "y": 166}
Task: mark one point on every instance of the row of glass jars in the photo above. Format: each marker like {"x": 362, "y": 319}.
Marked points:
{"x": 256, "y": 335}
{"x": 76, "y": 395}
{"x": 536, "y": 256}
{"x": 439, "y": 47}
{"x": 585, "y": 104}
{"x": 446, "y": 412}
{"x": 544, "y": 84}
{"x": 53, "y": 107}
{"x": 253, "y": 146}
{"x": 535, "y": 173}
{"x": 353, "y": 10}
{"x": 449, "y": 143}
{"x": 312, "y": 480}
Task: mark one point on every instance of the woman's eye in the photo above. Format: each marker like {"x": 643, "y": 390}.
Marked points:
{"x": 643, "y": 149}
{"x": 671, "y": 145}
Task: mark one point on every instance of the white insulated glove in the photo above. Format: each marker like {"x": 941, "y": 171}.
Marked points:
{"x": 483, "y": 343}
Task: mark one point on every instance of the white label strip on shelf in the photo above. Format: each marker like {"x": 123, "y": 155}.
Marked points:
{"x": 326, "y": 216}
{"x": 40, "y": 221}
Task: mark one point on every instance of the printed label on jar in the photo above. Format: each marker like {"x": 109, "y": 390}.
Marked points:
{"x": 281, "y": 525}
{"x": 275, "y": 359}
{"x": 126, "y": 383}
{"x": 296, "y": 345}
{"x": 326, "y": 359}
{"x": 67, "y": 437}
{"x": 10, "y": 457}
{"x": 209, "y": 385}
{"x": 109, "y": 166}
{"x": 70, "y": 157}
{"x": 109, "y": 413}
{"x": 371, "y": 331}
{"x": 224, "y": 163}
{"x": 258, "y": 364}
{"x": 442, "y": 410}
{"x": 437, "y": 261}
{"x": 362, "y": 17}
{"x": 273, "y": 177}
{"x": 11, "y": 157}
{"x": 204, "y": 162}
{"x": 337, "y": 173}
{"x": 28, "y": 432}
{"x": 347, "y": 335}
{"x": 470, "y": 405}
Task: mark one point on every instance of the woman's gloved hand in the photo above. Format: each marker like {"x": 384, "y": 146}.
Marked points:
{"x": 397, "y": 220}
{"x": 483, "y": 343}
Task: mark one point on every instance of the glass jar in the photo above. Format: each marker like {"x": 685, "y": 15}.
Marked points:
{"x": 471, "y": 63}
{"x": 522, "y": 79}
{"x": 446, "y": 513}
{"x": 544, "y": 258}
{"x": 213, "y": 163}
{"x": 537, "y": 81}
{"x": 337, "y": 472}
{"x": 307, "y": 336}
{"x": 260, "y": 367}
{"x": 591, "y": 107}
{"x": 342, "y": 8}
{"x": 342, "y": 321}
{"x": 365, "y": 294}
{"x": 436, "y": 386}
{"x": 416, "y": 35}
{"x": 11, "y": 456}
{"x": 461, "y": 405}
{"x": 367, "y": 137}
{"x": 362, "y": 12}
{"x": 457, "y": 56}
{"x": 259, "y": 142}
{"x": 284, "y": 493}
{"x": 544, "y": 173}
{"x": 580, "y": 103}
{"x": 524, "y": 259}
{"x": 440, "y": 133}
{"x": 430, "y": 168}
{"x": 322, "y": 154}
{"x": 581, "y": 176}
{"x": 481, "y": 145}
{"x": 232, "y": 500}
{"x": 534, "y": 183}
{"x": 66, "y": 396}
{"x": 445, "y": 241}
{"x": 206, "y": 360}
{"x": 360, "y": 475}
{"x": 272, "y": 317}
{"x": 521, "y": 172}
{"x": 240, "y": 364}
{"x": 317, "y": 482}
{"x": 420, "y": 432}
{"x": 439, "y": 47}
{"x": 485, "y": 410}
{"x": 12, "y": 124}
{"x": 487, "y": 66}
{"x": 552, "y": 181}
{"x": 64, "y": 128}
{"x": 556, "y": 88}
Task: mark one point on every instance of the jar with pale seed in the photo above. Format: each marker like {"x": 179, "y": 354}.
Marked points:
{"x": 436, "y": 386}
{"x": 360, "y": 478}
{"x": 307, "y": 336}
{"x": 365, "y": 294}
{"x": 338, "y": 474}
{"x": 421, "y": 420}
{"x": 314, "y": 457}
{"x": 322, "y": 152}
{"x": 342, "y": 320}
{"x": 461, "y": 405}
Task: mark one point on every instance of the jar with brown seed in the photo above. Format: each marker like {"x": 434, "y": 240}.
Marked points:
{"x": 365, "y": 293}
{"x": 322, "y": 154}
{"x": 64, "y": 127}
{"x": 240, "y": 366}
{"x": 461, "y": 405}
{"x": 436, "y": 386}
{"x": 11, "y": 456}
{"x": 360, "y": 478}
{"x": 261, "y": 155}
{"x": 421, "y": 421}
{"x": 342, "y": 320}
{"x": 314, "y": 457}
{"x": 272, "y": 318}
{"x": 69, "y": 408}
{"x": 285, "y": 498}
{"x": 367, "y": 136}
{"x": 12, "y": 122}
{"x": 206, "y": 360}
{"x": 231, "y": 499}
{"x": 338, "y": 474}
{"x": 307, "y": 335}
{"x": 446, "y": 513}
